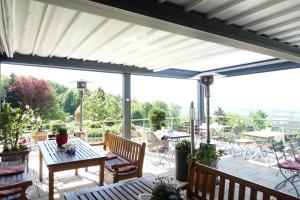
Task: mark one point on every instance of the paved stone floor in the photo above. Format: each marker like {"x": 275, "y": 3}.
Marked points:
{"x": 66, "y": 181}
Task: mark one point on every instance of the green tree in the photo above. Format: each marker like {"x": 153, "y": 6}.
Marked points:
{"x": 146, "y": 107}
{"x": 71, "y": 102}
{"x": 220, "y": 116}
{"x": 258, "y": 119}
{"x": 96, "y": 108}
{"x": 5, "y": 83}
{"x": 235, "y": 119}
{"x": 161, "y": 105}
{"x": 157, "y": 118}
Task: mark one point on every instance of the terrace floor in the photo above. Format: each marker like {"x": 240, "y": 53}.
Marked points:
{"x": 66, "y": 181}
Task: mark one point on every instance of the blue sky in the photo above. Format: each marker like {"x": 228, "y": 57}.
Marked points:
{"x": 274, "y": 90}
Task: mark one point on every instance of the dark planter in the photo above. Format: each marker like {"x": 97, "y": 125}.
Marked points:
{"x": 61, "y": 139}
{"x": 181, "y": 165}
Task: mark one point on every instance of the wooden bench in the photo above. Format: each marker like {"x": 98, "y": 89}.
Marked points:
{"x": 13, "y": 175}
{"x": 125, "y": 158}
{"x": 202, "y": 184}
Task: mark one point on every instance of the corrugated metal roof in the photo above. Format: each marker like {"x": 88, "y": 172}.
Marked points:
{"x": 36, "y": 28}
{"x": 278, "y": 19}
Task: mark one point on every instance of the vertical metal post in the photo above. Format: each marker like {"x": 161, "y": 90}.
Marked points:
{"x": 207, "y": 95}
{"x": 200, "y": 103}
{"x": 1, "y": 89}
{"x": 126, "y": 90}
{"x": 81, "y": 101}
{"x": 192, "y": 119}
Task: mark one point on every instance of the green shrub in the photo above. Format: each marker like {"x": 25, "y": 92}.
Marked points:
{"x": 183, "y": 145}
{"x": 157, "y": 118}
{"x": 95, "y": 125}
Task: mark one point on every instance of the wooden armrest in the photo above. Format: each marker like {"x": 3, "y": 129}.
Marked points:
{"x": 97, "y": 144}
{"x": 21, "y": 184}
{"x": 117, "y": 166}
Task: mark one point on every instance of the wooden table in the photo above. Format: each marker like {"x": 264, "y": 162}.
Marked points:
{"x": 171, "y": 135}
{"x": 57, "y": 160}
{"x": 266, "y": 134}
{"x": 128, "y": 190}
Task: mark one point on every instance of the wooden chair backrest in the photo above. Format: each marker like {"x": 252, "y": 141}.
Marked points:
{"x": 202, "y": 184}
{"x": 124, "y": 148}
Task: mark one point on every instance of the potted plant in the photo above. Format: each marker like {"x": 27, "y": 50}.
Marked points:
{"x": 207, "y": 155}
{"x": 61, "y": 137}
{"x": 182, "y": 150}
{"x": 37, "y": 130}
{"x": 13, "y": 123}
{"x": 164, "y": 189}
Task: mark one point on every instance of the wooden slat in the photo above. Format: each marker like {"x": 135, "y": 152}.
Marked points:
{"x": 212, "y": 187}
{"x": 221, "y": 188}
{"x": 231, "y": 190}
{"x": 242, "y": 192}
{"x": 253, "y": 194}
{"x": 197, "y": 172}
{"x": 266, "y": 196}
{"x": 104, "y": 195}
{"x": 204, "y": 184}
{"x": 97, "y": 196}
{"x": 117, "y": 193}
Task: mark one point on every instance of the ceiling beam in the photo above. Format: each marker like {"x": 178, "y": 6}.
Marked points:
{"x": 255, "y": 67}
{"x": 76, "y": 64}
{"x": 174, "y": 19}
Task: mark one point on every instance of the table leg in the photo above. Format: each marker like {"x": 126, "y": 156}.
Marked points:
{"x": 51, "y": 184}
{"x": 101, "y": 172}
{"x": 41, "y": 166}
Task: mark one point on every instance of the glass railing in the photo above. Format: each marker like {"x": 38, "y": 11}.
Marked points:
{"x": 96, "y": 129}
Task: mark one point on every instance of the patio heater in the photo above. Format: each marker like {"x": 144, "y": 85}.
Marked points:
{"x": 81, "y": 86}
{"x": 192, "y": 124}
{"x": 207, "y": 80}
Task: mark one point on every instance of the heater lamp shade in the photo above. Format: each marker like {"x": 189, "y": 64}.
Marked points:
{"x": 207, "y": 80}
{"x": 81, "y": 85}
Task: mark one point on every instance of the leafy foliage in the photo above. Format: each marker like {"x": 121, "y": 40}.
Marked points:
{"x": 62, "y": 130}
{"x": 221, "y": 116}
{"x": 35, "y": 93}
{"x": 164, "y": 189}
{"x": 13, "y": 122}
{"x": 183, "y": 145}
{"x": 206, "y": 155}
{"x": 258, "y": 119}
{"x": 157, "y": 118}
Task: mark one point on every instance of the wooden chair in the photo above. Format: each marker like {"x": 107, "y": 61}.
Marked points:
{"x": 13, "y": 172}
{"x": 202, "y": 185}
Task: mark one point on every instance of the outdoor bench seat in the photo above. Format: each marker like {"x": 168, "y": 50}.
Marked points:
{"x": 125, "y": 158}
{"x": 13, "y": 178}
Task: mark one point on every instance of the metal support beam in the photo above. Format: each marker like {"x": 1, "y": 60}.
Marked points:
{"x": 172, "y": 18}
{"x": 1, "y": 90}
{"x": 75, "y": 64}
{"x": 200, "y": 103}
{"x": 126, "y": 90}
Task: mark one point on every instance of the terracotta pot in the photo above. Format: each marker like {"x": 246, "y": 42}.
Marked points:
{"x": 39, "y": 136}
{"x": 61, "y": 139}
